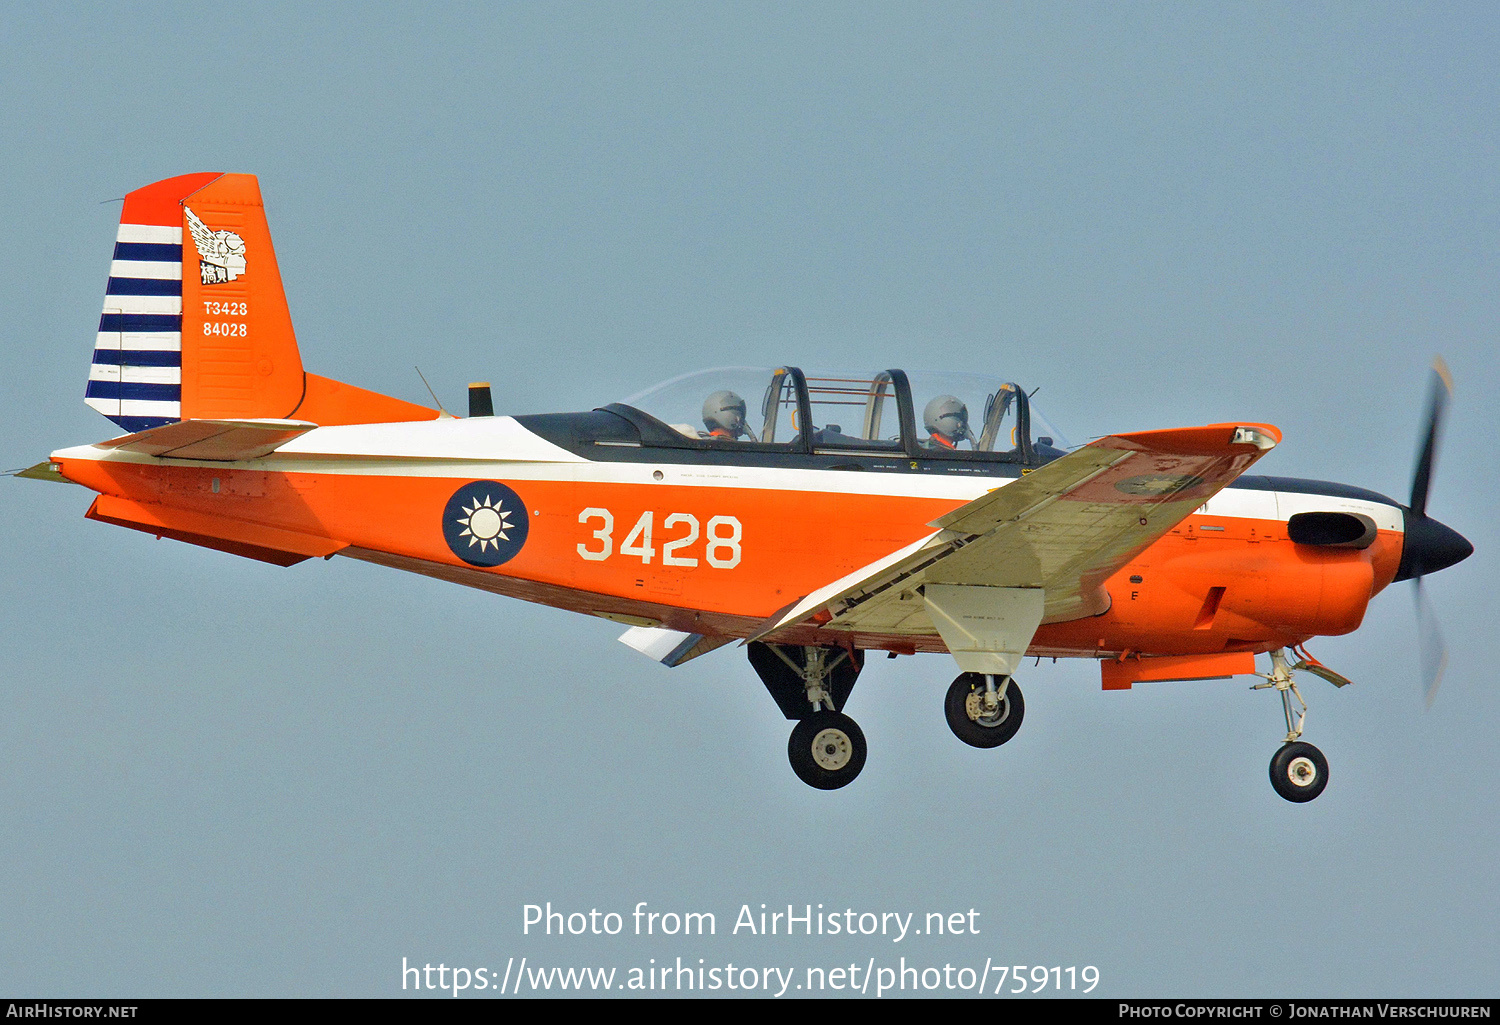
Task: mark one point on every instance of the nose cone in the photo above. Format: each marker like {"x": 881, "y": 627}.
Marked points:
{"x": 1430, "y": 546}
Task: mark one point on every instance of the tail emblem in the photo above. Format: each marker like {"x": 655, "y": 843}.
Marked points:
{"x": 222, "y": 252}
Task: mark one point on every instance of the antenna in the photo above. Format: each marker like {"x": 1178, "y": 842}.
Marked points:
{"x": 429, "y": 390}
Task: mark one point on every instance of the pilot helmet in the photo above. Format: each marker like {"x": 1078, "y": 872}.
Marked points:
{"x": 724, "y": 411}
{"x": 948, "y": 418}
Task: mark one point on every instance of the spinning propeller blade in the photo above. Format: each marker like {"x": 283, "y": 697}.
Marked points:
{"x": 1428, "y": 545}
{"x": 1437, "y": 405}
{"x": 1434, "y": 650}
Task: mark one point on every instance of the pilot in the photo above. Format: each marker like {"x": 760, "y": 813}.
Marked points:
{"x": 947, "y": 423}
{"x": 724, "y": 416}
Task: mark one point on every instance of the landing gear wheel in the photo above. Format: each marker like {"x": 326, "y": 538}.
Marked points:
{"x": 1299, "y": 772}
{"x": 971, "y": 718}
{"x": 827, "y": 750}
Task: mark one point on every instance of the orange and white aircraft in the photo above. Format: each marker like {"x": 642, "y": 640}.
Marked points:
{"x": 816, "y": 517}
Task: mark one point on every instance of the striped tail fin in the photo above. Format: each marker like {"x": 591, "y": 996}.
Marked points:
{"x": 136, "y": 377}
{"x": 196, "y": 325}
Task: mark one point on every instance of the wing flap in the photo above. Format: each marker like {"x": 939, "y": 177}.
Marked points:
{"x": 879, "y": 575}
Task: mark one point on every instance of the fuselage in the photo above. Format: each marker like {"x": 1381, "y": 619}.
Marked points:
{"x": 587, "y": 517}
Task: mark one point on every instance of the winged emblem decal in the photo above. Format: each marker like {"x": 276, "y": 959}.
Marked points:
{"x": 221, "y": 253}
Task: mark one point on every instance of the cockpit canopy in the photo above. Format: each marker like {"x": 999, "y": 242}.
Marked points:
{"x": 964, "y": 416}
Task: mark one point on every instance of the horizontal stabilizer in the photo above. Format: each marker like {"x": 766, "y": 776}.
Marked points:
{"x": 213, "y": 440}
{"x": 42, "y": 471}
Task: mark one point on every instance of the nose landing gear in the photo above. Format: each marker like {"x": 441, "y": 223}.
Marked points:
{"x": 1299, "y": 772}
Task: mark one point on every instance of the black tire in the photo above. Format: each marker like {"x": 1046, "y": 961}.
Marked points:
{"x": 1299, "y": 772}
{"x": 980, "y": 730}
{"x": 827, "y": 750}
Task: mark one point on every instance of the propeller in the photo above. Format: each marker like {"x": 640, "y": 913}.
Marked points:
{"x": 1437, "y": 407}
{"x": 1428, "y": 545}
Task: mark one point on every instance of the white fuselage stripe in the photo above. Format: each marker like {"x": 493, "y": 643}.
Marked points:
{"x": 1244, "y": 503}
{"x": 1386, "y": 517}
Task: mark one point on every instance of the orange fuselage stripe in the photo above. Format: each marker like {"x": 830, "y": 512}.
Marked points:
{"x": 1269, "y": 591}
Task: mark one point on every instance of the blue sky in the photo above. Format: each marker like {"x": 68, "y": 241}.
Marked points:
{"x": 220, "y": 777}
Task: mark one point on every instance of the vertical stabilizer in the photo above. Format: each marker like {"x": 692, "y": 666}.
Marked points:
{"x": 195, "y": 322}
{"x": 196, "y": 325}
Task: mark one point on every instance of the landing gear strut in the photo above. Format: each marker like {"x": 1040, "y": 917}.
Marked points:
{"x": 810, "y": 684}
{"x": 984, "y": 710}
{"x": 1299, "y": 772}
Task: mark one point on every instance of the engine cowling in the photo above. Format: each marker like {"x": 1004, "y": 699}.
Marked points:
{"x": 1297, "y": 588}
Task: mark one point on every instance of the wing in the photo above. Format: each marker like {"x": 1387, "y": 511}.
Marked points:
{"x": 1065, "y": 529}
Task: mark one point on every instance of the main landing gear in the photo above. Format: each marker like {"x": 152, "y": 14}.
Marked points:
{"x": 984, "y": 710}
{"x": 1299, "y": 772}
{"x": 826, "y": 748}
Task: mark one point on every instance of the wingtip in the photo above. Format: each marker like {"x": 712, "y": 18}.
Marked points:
{"x": 1206, "y": 440}
{"x": 1262, "y": 436}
